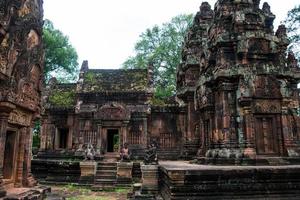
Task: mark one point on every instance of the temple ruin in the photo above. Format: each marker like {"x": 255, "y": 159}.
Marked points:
{"x": 21, "y": 67}
{"x": 231, "y": 131}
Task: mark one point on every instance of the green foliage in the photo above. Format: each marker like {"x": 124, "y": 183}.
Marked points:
{"x": 90, "y": 78}
{"x": 60, "y": 55}
{"x": 62, "y": 98}
{"x": 161, "y": 46}
{"x": 293, "y": 26}
{"x": 36, "y": 134}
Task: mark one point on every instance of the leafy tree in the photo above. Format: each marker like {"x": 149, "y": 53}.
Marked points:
{"x": 293, "y": 26}
{"x": 161, "y": 46}
{"x": 60, "y": 55}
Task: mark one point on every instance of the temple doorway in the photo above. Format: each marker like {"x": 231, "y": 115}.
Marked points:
{"x": 266, "y": 135}
{"x": 112, "y": 140}
{"x": 9, "y": 155}
{"x": 62, "y": 138}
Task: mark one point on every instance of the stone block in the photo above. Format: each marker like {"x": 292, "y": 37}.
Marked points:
{"x": 149, "y": 178}
{"x": 88, "y": 168}
{"x": 124, "y": 173}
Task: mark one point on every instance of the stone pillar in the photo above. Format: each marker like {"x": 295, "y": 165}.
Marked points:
{"x": 286, "y": 132}
{"x": 249, "y": 150}
{"x": 56, "y": 139}
{"x": 43, "y": 136}
{"x": 71, "y": 130}
{"x": 145, "y": 124}
{"x": 20, "y": 157}
{"x": 99, "y": 141}
{"x": 29, "y": 180}
{"x": 3, "y": 130}
{"x": 189, "y": 122}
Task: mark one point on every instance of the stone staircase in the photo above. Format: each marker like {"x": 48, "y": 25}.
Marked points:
{"x": 106, "y": 173}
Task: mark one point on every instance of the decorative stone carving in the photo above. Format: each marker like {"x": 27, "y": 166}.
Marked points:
{"x": 113, "y": 111}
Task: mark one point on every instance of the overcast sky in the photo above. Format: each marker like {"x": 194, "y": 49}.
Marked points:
{"x": 104, "y": 31}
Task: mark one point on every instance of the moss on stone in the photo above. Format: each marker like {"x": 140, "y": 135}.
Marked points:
{"x": 62, "y": 98}
{"x": 90, "y": 78}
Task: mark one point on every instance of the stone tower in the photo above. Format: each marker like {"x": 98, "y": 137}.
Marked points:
{"x": 246, "y": 90}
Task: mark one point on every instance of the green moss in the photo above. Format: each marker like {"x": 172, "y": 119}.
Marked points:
{"x": 62, "y": 98}
{"x": 90, "y": 78}
{"x": 157, "y": 102}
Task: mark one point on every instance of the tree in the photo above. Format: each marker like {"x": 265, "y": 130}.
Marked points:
{"x": 161, "y": 46}
{"x": 293, "y": 27}
{"x": 60, "y": 55}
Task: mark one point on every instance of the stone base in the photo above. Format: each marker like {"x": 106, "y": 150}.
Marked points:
{"x": 124, "y": 173}
{"x": 149, "y": 179}
{"x": 257, "y": 161}
{"x": 56, "y": 171}
{"x": 88, "y": 171}
{"x": 181, "y": 181}
{"x": 36, "y": 193}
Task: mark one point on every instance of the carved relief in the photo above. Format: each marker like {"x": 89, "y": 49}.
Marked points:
{"x": 27, "y": 95}
{"x": 113, "y": 111}
{"x": 20, "y": 117}
{"x": 267, "y": 106}
{"x": 267, "y": 87}
{"x": 32, "y": 39}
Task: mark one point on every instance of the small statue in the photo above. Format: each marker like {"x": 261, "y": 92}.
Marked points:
{"x": 151, "y": 154}
{"x": 125, "y": 154}
{"x": 89, "y": 152}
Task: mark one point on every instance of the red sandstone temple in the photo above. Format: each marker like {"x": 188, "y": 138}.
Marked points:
{"x": 236, "y": 104}
{"x": 237, "y": 98}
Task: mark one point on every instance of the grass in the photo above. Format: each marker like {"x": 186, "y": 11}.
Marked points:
{"x": 75, "y": 192}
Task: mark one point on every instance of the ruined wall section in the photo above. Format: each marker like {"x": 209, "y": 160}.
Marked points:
{"x": 21, "y": 68}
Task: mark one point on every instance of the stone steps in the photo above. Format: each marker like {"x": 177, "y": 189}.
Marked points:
{"x": 106, "y": 175}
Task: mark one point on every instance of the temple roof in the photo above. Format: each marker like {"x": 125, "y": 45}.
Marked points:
{"x": 115, "y": 80}
{"x": 62, "y": 96}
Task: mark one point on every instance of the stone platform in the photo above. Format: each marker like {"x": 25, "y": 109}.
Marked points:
{"x": 35, "y": 193}
{"x": 181, "y": 180}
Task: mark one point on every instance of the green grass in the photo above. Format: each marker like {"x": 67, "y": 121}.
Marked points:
{"x": 75, "y": 192}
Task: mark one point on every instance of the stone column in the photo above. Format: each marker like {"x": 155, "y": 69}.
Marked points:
{"x": 56, "y": 139}
{"x": 99, "y": 140}
{"x": 71, "y": 130}
{"x": 3, "y": 129}
{"x": 20, "y": 157}
{"x": 43, "y": 136}
{"x": 29, "y": 180}
{"x": 145, "y": 124}
{"x": 248, "y": 135}
{"x": 286, "y": 132}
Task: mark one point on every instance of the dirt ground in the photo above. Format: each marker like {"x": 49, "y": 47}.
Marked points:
{"x": 71, "y": 192}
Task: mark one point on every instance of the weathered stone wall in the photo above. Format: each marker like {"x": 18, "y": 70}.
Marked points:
{"x": 167, "y": 128}
{"x": 21, "y": 67}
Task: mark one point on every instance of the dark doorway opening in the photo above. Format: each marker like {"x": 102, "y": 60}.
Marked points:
{"x": 63, "y": 138}
{"x": 9, "y": 155}
{"x": 112, "y": 140}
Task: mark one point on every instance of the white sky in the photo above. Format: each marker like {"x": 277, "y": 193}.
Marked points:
{"x": 104, "y": 31}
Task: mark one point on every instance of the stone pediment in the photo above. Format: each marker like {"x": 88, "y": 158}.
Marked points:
{"x": 113, "y": 112}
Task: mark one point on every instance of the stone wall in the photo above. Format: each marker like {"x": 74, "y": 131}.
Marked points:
{"x": 21, "y": 67}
